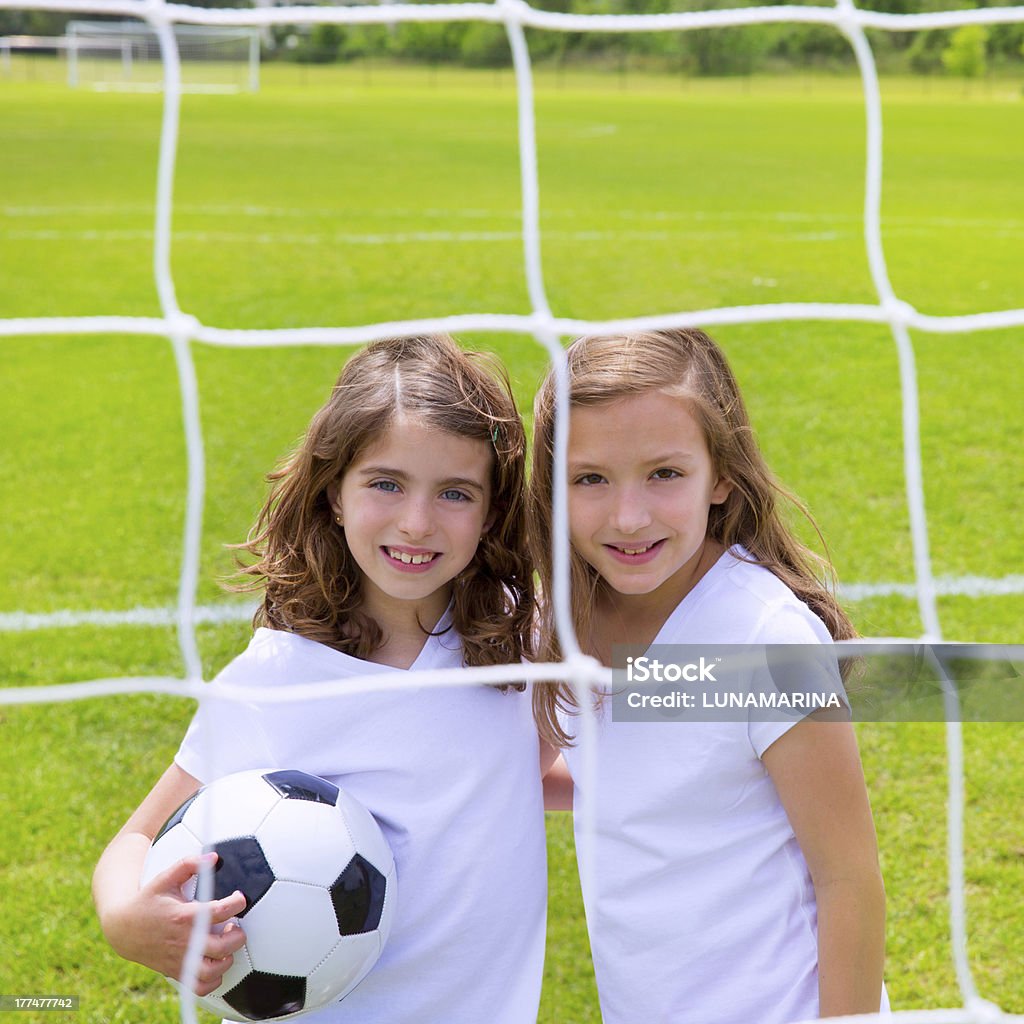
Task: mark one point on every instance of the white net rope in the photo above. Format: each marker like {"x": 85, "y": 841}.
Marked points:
{"x": 183, "y": 329}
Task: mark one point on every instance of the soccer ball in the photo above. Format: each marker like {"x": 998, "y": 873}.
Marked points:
{"x": 318, "y": 879}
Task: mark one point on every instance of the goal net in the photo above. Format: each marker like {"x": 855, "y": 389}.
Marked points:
{"x": 126, "y": 55}
{"x": 45, "y": 52}
{"x": 167, "y": 52}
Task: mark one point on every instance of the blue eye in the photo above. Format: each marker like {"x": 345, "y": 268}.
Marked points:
{"x": 388, "y": 486}
{"x": 453, "y": 495}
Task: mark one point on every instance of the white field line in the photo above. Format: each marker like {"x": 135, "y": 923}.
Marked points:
{"x": 339, "y": 238}
{"x": 945, "y": 586}
{"x": 224, "y": 612}
{"x": 242, "y": 211}
{"x": 235, "y": 611}
{"x": 442, "y": 237}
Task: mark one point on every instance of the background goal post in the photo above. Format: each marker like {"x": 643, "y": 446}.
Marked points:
{"x": 126, "y": 55}
{"x": 49, "y": 45}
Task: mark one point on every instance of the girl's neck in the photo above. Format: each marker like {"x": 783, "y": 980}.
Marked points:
{"x": 405, "y": 625}
{"x": 636, "y": 619}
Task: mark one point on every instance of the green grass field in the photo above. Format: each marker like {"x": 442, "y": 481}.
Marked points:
{"x": 339, "y": 196}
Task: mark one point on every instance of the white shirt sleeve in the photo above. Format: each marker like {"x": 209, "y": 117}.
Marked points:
{"x": 790, "y": 622}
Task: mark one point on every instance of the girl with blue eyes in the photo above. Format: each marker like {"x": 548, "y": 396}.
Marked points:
{"x": 735, "y": 875}
{"x": 393, "y": 538}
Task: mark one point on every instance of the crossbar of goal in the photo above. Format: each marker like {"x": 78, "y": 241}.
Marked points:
{"x": 521, "y": 13}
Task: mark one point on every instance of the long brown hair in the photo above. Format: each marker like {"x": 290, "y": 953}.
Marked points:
{"x": 311, "y": 583}
{"x": 688, "y": 365}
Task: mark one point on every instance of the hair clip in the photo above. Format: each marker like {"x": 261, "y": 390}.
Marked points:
{"x": 494, "y": 437}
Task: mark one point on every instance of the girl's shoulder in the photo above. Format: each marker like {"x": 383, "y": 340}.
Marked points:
{"x": 271, "y": 649}
{"x": 279, "y": 643}
{"x": 275, "y": 654}
{"x": 740, "y": 601}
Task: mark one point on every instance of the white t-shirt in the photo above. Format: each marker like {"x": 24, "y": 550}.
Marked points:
{"x": 452, "y": 777}
{"x": 702, "y": 909}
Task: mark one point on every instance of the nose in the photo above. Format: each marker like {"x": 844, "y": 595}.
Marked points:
{"x": 416, "y": 519}
{"x": 629, "y": 512}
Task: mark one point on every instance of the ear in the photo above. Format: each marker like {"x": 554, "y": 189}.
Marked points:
{"x": 721, "y": 491}
{"x": 492, "y": 518}
{"x": 333, "y": 492}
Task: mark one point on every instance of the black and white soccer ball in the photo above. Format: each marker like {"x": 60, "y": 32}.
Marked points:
{"x": 318, "y": 879}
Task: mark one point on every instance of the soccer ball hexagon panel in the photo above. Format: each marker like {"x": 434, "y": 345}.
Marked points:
{"x": 318, "y": 878}
{"x": 327, "y": 841}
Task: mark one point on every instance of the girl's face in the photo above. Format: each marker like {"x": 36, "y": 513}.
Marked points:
{"x": 641, "y": 483}
{"x": 413, "y": 507}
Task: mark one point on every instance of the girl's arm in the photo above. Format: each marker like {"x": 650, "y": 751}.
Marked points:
{"x": 817, "y": 771}
{"x": 558, "y": 785}
{"x": 152, "y": 925}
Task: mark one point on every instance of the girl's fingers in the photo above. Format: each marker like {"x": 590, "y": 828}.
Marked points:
{"x": 211, "y": 974}
{"x": 227, "y": 908}
{"x": 220, "y": 946}
{"x": 181, "y": 871}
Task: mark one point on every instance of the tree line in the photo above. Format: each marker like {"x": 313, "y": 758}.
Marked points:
{"x": 969, "y": 51}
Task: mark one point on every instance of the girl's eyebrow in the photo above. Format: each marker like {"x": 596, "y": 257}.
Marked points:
{"x": 659, "y": 460}
{"x": 679, "y": 456}
{"x": 462, "y": 481}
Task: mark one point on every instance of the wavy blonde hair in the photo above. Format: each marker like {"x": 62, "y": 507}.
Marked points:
{"x": 688, "y": 365}
{"x": 311, "y": 582}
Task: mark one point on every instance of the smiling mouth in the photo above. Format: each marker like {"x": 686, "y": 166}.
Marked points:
{"x": 635, "y": 553}
{"x": 406, "y": 558}
{"x": 636, "y": 549}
